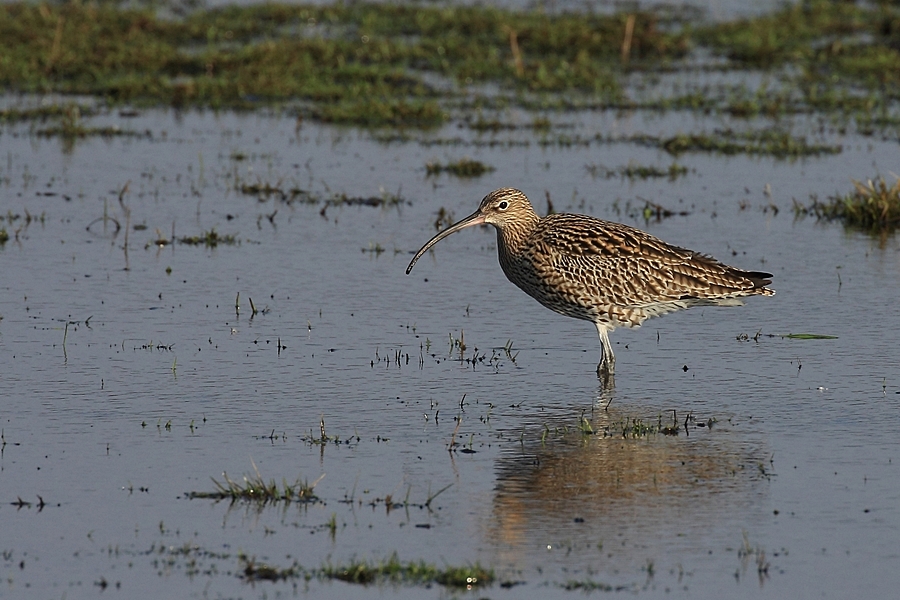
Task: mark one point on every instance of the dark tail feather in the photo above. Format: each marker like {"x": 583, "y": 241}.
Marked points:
{"x": 760, "y": 279}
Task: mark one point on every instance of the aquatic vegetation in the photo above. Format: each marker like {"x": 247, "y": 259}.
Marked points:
{"x": 70, "y": 125}
{"x": 28, "y": 218}
{"x": 464, "y": 167}
{"x": 588, "y": 585}
{"x": 744, "y": 337}
{"x": 264, "y": 190}
{"x": 4, "y": 236}
{"x": 256, "y": 490}
{"x": 259, "y": 571}
{"x": 769, "y": 142}
{"x": 443, "y": 219}
{"x": 371, "y": 112}
{"x": 626, "y": 428}
{"x": 808, "y": 336}
{"x": 872, "y": 206}
{"x": 635, "y": 171}
{"x": 392, "y": 570}
{"x": 43, "y": 112}
{"x": 410, "y": 65}
{"x": 840, "y": 56}
{"x": 20, "y": 504}
{"x": 764, "y": 142}
{"x": 356, "y": 63}
{"x": 386, "y": 199}
{"x": 747, "y": 552}
{"x": 210, "y": 239}
{"x": 84, "y": 132}
{"x": 482, "y": 124}
{"x": 785, "y": 34}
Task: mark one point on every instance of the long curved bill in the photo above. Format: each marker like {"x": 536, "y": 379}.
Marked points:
{"x": 476, "y": 218}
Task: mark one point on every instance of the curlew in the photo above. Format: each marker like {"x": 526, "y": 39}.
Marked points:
{"x": 600, "y": 271}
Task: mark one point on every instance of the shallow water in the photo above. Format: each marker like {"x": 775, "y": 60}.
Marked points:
{"x": 127, "y": 386}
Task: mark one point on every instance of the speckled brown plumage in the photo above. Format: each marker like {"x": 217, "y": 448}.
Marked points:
{"x": 608, "y": 273}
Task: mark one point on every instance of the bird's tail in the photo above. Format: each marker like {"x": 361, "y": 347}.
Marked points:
{"x": 759, "y": 279}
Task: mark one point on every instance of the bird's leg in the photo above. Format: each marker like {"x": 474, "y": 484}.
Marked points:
{"x": 607, "y": 382}
{"x": 607, "y": 364}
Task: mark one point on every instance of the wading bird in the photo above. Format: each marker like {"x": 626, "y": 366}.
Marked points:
{"x": 608, "y": 273}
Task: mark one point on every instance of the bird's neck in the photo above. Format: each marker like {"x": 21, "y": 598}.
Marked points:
{"x": 513, "y": 237}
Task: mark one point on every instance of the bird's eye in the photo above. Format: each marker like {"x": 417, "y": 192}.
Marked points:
{"x": 503, "y": 205}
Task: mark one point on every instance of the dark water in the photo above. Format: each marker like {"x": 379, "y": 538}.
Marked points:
{"x": 126, "y": 386}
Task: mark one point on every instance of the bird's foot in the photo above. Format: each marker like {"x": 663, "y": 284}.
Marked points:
{"x": 606, "y": 373}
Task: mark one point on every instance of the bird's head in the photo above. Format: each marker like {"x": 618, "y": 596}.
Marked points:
{"x": 507, "y": 209}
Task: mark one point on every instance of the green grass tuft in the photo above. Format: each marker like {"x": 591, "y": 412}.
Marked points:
{"x": 255, "y": 489}
{"x": 414, "y": 573}
{"x": 873, "y": 206}
{"x": 393, "y": 570}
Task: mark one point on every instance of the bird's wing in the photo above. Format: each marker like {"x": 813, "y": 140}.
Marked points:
{"x": 631, "y": 267}
{"x": 580, "y": 235}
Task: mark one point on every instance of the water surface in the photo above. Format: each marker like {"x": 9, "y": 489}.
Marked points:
{"x": 131, "y": 380}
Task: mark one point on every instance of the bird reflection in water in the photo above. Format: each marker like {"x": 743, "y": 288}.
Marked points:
{"x": 617, "y": 490}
